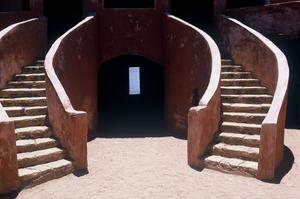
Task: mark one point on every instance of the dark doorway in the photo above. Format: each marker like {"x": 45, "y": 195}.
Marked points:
{"x": 198, "y": 13}
{"x": 126, "y": 113}
{"x": 62, "y": 15}
{"x": 291, "y": 49}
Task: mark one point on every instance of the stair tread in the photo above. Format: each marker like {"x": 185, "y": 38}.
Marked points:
{"x": 236, "y": 72}
{"x": 247, "y": 95}
{"x": 8, "y": 108}
{"x": 42, "y": 168}
{"x": 27, "y": 145}
{"x": 34, "y": 141}
{"x": 29, "y": 74}
{"x": 22, "y": 98}
{"x": 234, "y": 151}
{"x": 239, "y": 139}
{"x": 232, "y": 165}
{"x": 241, "y": 124}
{"x": 222, "y": 145}
{"x": 243, "y": 87}
{"x": 23, "y": 89}
{"x": 33, "y": 132}
{"x": 245, "y": 114}
{"x": 39, "y": 152}
{"x": 18, "y": 118}
{"x": 23, "y": 81}
{"x": 31, "y": 128}
{"x": 233, "y": 161}
{"x": 246, "y": 105}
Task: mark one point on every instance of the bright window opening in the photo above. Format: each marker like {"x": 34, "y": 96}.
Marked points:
{"x": 134, "y": 81}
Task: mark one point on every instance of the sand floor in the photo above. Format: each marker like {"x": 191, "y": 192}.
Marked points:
{"x": 156, "y": 167}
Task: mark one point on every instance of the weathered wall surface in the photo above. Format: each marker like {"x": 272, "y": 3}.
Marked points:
{"x": 257, "y": 54}
{"x": 20, "y": 44}
{"x": 130, "y": 31}
{"x": 9, "y": 177}
{"x": 75, "y": 63}
{"x": 187, "y": 66}
{"x": 8, "y": 18}
{"x": 71, "y": 79}
{"x": 274, "y": 20}
{"x": 76, "y": 67}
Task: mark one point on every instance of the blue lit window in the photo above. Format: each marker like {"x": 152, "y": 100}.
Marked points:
{"x": 134, "y": 81}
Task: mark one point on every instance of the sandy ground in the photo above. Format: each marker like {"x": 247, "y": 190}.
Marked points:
{"x": 156, "y": 167}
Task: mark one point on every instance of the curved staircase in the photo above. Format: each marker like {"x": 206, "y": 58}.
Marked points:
{"x": 40, "y": 157}
{"x": 245, "y": 104}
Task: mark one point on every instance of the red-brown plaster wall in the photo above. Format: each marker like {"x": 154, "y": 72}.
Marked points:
{"x": 187, "y": 65}
{"x": 130, "y": 31}
{"x": 8, "y": 18}
{"x": 9, "y": 177}
{"x": 20, "y": 44}
{"x": 271, "y": 20}
{"x": 76, "y": 64}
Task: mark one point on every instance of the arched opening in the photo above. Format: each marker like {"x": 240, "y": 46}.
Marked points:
{"x": 130, "y": 97}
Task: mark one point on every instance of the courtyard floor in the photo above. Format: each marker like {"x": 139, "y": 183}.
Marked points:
{"x": 153, "y": 166}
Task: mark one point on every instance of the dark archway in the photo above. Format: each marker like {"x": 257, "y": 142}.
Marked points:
{"x": 62, "y": 15}
{"x": 130, "y": 115}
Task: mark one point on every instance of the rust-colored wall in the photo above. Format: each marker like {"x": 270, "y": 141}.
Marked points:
{"x": 130, "y": 31}
{"x": 274, "y": 20}
{"x": 9, "y": 177}
{"x": 8, "y": 18}
{"x": 186, "y": 66}
{"x": 20, "y": 44}
{"x": 76, "y": 64}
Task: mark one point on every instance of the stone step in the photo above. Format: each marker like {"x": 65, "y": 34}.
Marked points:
{"x": 231, "y": 68}
{"x": 39, "y": 157}
{"x": 26, "y": 84}
{"x": 238, "y": 139}
{"x": 33, "y": 69}
{"x": 226, "y": 61}
{"x": 14, "y": 111}
{"x": 234, "y": 151}
{"x": 236, "y": 75}
{"x": 240, "y": 82}
{"x": 22, "y": 92}
{"x": 236, "y": 90}
{"x": 26, "y": 121}
{"x": 249, "y": 108}
{"x": 244, "y": 128}
{"x": 240, "y": 117}
{"x": 34, "y": 175}
{"x": 24, "y": 101}
{"x": 39, "y": 62}
{"x": 231, "y": 165}
{"x": 249, "y": 99}
{"x": 30, "y": 77}
{"x": 30, "y": 145}
{"x": 33, "y": 132}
